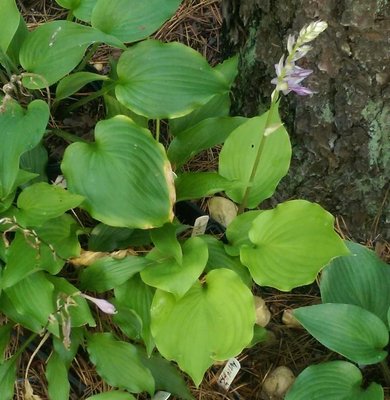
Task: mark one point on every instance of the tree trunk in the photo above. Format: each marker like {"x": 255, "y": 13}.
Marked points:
{"x": 341, "y": 135}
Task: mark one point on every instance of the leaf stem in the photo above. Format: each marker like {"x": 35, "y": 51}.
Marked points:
{"x": 157, "y": 130}
{"x": 89, "y": 98}
{"x": 260, "y": 151}
{"x": 69, "y": 137}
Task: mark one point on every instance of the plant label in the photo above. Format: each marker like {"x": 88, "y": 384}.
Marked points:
{"x": 229, "y": 373}
{"x": 161, "y": 395}
{"x": 200, "y": 225}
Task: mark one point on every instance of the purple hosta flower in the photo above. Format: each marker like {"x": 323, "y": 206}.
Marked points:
{"x": 289, "y": 76}
{"x": 104, "y": 305}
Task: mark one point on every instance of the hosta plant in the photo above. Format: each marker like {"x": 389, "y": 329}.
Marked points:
{"x": 170, "y": 297}
{"x": 354, "y": 321}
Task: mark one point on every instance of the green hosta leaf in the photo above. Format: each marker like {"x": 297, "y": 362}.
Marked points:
{"x": 17, "y": 41}
{"x": 218, "y": 258}
{"x": 167, "y": 274}
{"x": 361, "y": 278}
{"x": 57, "y": 378}
{"x": 229, "y": 69}
{"x": 388, "y": 317}
{"x": 218, "y": 106}
{"x": 56, "y": 241}
{"x": 5, "y": 334}
{"x": 32, "y": 300}
{"x": 41, "y": 201}
{"x": 20, "y": 131}
{"x": 347, "y": 329}
{"x": 62, "y": 235}
{"x": 206, "y": 134}
{"x": 334, "y": 380}
{"x": 128, "y": 321}
{"x": 238, "y": 155}
{"x": 237, "y": 232}
{"x": 74, "y": 82}
{"x": 291, "y": 244}
{"x": 67, "y": 354}
{"x": 35, "y": 161}
{"x": 126, "y": 157}
{"x": 114, "y": 107}
{"x": 9, "y": 22}
{"x": 7, "y": 379}
{"x": 109, "y": 238}
{"x": 25, "y": 257}
{"x": 131, "y": 20}
{"x": 112, "y": 395}
{"x": 165, "y": 80}
{"x": 166, "y": 376}
{"x": 82, "y": 9}
{"x": 214, "y": 321}
{"x": 165, "y": 240}
{"x": 55, "y": 48}
{"x": 109, "y": 272}
{"x": 79, "y": 313}
{"x": 22, "y": 260}
{"x": 195, "y": 185}
{"x": 137, "y": 296}
{"x": 118, "y": 363}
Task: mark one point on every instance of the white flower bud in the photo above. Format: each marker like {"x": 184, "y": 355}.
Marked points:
{"x": 311, "y": 31}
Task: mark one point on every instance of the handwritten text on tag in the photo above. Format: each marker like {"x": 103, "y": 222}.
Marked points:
{"x": 229, "y": 373}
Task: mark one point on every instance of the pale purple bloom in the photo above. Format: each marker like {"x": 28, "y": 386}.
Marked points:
{"x": 289, "y": 77}
{"x": 104, "y": 305}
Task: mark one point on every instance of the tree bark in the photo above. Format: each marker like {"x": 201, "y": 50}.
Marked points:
{"x": 340, "y": 135}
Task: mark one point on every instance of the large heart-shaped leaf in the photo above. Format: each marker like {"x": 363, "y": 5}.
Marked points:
{"x": 167, "y": 274}
{"x": 20, "y": 131}
{"x": 204, "y": 135}
{"x": 214, "y": 321}
{"x": 347, "y": 329}
{"x": 119, "y": 364}
{"x": 124, "y": 176}
{"x": 238, "y": 156}
{"x": 41, "y": 201}
{"x": 9, "y": 22}
{"x": 361, "y": 278}
{"x": 334, "y": 380}
{"x": 132, "y": 20}
{"x": 291, "y": 244}
{"x": 55, "y": 48}
{"x": 165, "y": 80}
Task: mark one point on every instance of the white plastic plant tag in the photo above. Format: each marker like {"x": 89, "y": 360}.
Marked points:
{"x": 200, "y": 225}
{"x": 229, "y": 373}
{"x": 161, "y": 395}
